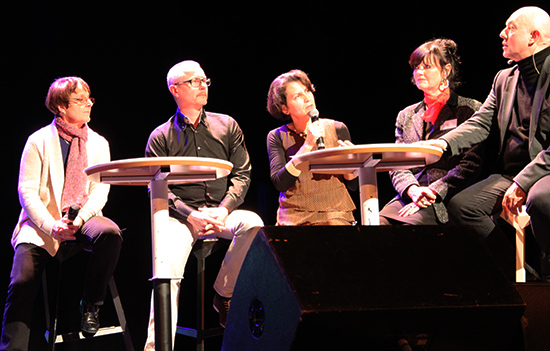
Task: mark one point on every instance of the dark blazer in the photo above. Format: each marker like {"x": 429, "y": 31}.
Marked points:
{"x": 451, "y": 173}
{"x": 495, "y": 114}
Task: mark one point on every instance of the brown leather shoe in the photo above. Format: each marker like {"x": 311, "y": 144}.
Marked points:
{"x": 221, "y": 305}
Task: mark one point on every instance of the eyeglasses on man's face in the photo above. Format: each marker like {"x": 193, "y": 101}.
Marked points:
{"x": 82, "y": 101}
{"x": 195, "y": 82}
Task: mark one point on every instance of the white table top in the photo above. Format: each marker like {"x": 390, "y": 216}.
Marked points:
{"x": 384, "y": 157}
{"x": 141, "y": 171}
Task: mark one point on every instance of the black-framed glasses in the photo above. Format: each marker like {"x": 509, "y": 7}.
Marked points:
{"x": 195, "y": 82}
{"x": 83, "y": 101}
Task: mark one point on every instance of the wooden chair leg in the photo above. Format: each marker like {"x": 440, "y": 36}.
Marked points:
{"x": 519, "y": 223}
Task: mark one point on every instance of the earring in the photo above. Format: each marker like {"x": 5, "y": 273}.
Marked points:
{"x": 444, "y": 84}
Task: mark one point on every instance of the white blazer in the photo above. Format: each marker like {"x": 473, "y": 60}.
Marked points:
{"x": 41, "y": 179}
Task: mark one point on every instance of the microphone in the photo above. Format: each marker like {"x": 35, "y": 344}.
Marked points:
{"x": 314, "y": 115}
{"x": 72, "y": 213}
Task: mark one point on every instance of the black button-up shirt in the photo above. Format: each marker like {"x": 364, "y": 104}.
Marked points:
{"x": 217, "y": 136}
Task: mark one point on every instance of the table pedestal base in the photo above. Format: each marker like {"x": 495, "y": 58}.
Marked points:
{"x": 163, "y": 315}
{"x": 369, "y": 196}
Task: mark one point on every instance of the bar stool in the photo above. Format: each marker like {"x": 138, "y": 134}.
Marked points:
{"x": 201, "y": 250}
{"x": 51, "y": 318}
{"x": 520, "y": 223}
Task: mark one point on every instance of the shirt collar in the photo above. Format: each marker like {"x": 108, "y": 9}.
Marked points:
{"x": 183, "y": 121}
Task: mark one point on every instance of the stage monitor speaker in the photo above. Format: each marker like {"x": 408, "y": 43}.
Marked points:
{"x": 371, "y": 288}
{"x": 536, "y": 319}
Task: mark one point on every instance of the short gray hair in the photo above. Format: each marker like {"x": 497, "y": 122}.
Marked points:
{"x": 179, "y": 69}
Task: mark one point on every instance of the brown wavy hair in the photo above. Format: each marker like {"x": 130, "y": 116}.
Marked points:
{"x": 276, "y": 97}
{"x": 60, "y": 91}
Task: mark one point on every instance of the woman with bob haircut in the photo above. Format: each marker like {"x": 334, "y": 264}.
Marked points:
{"x": 305, "y": 198}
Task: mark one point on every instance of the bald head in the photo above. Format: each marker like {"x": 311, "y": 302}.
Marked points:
{"x": 527, "y": 32}
{"x": 535, "y": 19}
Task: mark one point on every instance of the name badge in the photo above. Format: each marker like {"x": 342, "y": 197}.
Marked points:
{"x": 450, "y": 124}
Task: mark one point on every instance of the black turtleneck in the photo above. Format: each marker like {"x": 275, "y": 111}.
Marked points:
{"x": 516, "y": 150}
{"x": 530, "y": 73}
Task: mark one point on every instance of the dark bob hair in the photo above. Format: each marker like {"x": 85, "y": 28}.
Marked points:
{"x": 276, "y": 97}
{"x": 444, "y": 51}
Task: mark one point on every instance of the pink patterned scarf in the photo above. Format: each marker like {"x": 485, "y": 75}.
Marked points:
{"x": 74, "y": 189}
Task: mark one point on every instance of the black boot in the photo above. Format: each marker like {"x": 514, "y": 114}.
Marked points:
{"x": 89, "y": 323}
{"x": 221, "y": 305}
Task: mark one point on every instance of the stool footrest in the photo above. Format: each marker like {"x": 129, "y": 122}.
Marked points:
{"x": 79, "y": 335}
{"x": 205, "y": 333}
{"x": 186, "y": 331}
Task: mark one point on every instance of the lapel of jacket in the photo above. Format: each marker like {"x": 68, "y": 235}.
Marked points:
{"x": 508, "y": 98}
{"x": 418, "y": 122}
{"x": 57, "y": 170}
{"x": 542, "y": 87}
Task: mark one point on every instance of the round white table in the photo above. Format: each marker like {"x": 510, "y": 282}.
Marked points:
{"x": 157, "y": 173}
{"x": 366, "y": 160}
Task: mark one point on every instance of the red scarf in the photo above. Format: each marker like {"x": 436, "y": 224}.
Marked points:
{"x": 435, "y": 105}
{"x": 74, "y": 189}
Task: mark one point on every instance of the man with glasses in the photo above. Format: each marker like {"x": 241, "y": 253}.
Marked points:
{"x": 61, "y": 211}
{"x": 207, "y": 209}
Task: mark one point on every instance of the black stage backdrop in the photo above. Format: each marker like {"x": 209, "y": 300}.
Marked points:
{"x": 355, "y": 52}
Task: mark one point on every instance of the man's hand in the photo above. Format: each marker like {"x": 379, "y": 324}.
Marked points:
{"x": 208, "y": 221}
{"x": 219, "y": 213}
{"x": 513, "y": 199}
{"x": 439, "y": 143}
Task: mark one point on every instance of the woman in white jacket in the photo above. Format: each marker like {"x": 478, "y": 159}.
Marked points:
{"x": 51, "y": 179}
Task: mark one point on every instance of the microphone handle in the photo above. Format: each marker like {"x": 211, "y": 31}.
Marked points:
{"x": 72, "y": 213}
{"x": 320, "y": 143}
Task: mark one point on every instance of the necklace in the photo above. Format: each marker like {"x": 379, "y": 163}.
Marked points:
{"x": 291, "y": 127}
